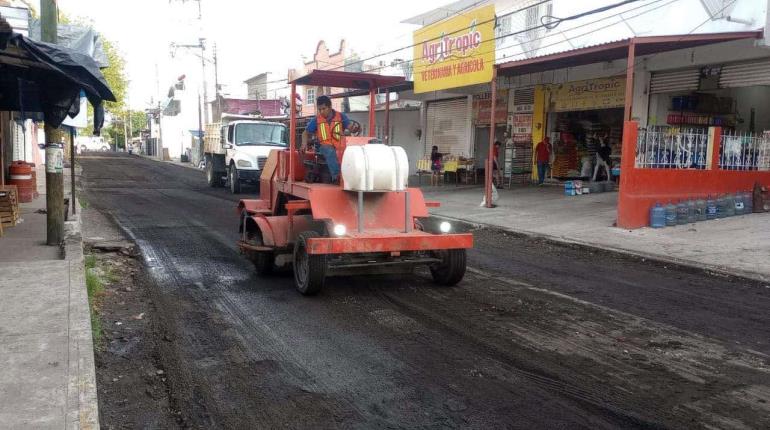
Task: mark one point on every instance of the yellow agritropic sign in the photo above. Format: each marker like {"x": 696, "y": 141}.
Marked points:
{"x": 602, "y": 93}
{"x": 455, "y": 52}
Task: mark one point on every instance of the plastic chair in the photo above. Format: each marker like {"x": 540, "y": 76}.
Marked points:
{"x": 451, "y": 166}
{"x": 423, "y": 167}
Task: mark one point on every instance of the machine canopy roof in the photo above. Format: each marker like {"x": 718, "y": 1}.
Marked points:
{"x": 349, "y": 80}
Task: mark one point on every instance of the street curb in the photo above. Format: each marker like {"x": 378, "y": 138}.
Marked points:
{"x": 638, "y": 254}
{"x": 82, "y": 402}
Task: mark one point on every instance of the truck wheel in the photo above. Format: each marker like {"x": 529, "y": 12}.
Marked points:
{"x": 235, "y": 181}
{"x": 451, "y": 269}
{"x": 213, "y": 178}
{"x": 309, "y": 270}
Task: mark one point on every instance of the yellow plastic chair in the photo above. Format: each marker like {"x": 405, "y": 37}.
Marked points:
{"x": 423, "y": 167}
{"x": 450, "y": 166}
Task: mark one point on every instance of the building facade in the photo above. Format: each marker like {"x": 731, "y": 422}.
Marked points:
{"x": 534, "y": 98}
{"x": 265, "y": 85}
{"x": 323, "y": 59}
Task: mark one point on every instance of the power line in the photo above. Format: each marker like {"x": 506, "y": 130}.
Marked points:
{"x": 683, "y": 36}
{"x": 602, "y": 9}
{"x": 551, "y": 35}
{"x": 393, "y": 51}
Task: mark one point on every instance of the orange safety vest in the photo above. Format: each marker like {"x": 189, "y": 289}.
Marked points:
{"x": 330, "y": 132}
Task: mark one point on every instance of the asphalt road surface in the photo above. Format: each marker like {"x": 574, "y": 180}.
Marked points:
{"x": 537, "y": 335}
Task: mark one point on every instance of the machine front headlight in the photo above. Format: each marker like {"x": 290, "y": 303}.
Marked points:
{"x": 445, "y": 227}
{"x": 340, "y": 230}
{"x": 243, "y": 163}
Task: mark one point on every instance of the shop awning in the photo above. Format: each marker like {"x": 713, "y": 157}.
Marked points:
{"x": 47, "y": 78}
{"x": 618, "y": 50}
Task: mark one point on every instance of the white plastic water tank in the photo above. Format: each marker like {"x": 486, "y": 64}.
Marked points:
{"x": 375, "y": 167}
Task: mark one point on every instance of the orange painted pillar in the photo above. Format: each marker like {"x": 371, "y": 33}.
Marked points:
{"x": 292, "y": 130}
{"x": 372, "y": 110}
{"x": 630, "y": 80}
{"x": 387, "y": 117}
{"x": 714, "y": 145}
{"x": 488, "y": 170}
{"x": 628, "y": 212}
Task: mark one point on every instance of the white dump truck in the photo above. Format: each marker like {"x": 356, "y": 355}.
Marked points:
{"x": 236, "y": 149}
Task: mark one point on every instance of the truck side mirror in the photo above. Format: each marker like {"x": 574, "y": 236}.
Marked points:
{"x": 228, "y": 146}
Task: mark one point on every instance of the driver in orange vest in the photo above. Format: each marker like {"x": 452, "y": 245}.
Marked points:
{"x": 328, "y": 126}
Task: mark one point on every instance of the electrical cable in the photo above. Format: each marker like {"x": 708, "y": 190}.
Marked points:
{"x": 552, "y": 35}
{"x": 551, "y": 22}
{"x": 393, "y": 51}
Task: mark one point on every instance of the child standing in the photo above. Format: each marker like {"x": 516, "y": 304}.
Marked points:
{"x": 435, "y": 166}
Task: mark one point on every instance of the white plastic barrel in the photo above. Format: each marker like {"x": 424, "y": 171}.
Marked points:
{"x": 375, "y": 167}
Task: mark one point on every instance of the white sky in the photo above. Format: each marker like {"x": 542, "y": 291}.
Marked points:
{"x": 252, "y": 36}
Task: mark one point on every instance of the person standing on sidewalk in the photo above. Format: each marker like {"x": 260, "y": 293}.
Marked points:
{"x": 603, "y": 158}
{"x": 543, "y": 153}
{"x": 436, "y": 164}
{"x": 496, "y": 165}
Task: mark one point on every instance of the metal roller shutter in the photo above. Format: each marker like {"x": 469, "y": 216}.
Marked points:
{"x": 745, "y": 74}
{"x": 447, "y": 127}
{"x": 678, "y": 80}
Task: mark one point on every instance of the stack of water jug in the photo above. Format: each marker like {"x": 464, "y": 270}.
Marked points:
{"x": 701, "y": 209}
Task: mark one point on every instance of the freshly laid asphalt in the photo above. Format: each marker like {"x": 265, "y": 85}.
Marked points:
{"x": 538, "y": 335}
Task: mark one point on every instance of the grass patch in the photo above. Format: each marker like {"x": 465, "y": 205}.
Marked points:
{"x": 95, "y": 288}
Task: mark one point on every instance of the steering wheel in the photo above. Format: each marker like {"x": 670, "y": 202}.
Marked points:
{"x": 354, "y": 128}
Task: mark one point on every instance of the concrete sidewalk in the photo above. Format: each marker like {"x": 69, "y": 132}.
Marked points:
{"x": 47, "y": 373}
{"x": 737, "y": 245}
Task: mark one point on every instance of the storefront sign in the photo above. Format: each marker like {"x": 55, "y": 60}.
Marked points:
{"x": 455, "y": 52}
{"x": 482, "y": 108}
{"x": 602, "y": 93}
{"x": 54, "y": 159}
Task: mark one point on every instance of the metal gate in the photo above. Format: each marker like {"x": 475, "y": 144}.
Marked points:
{"x": 447, "y": 127}
{"x": 745, "y": 74}
{"x": 674, "y": 81}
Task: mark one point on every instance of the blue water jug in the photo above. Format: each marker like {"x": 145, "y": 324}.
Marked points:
{"x": 711, "y": 208}
{"x": 740, "y": 206}
{"x": 692, "y": 216}
{"x": 670, "y": 214}
{"x": 700, "y": 210}
{"x": 657, "y": 216}
{"x": 681, "y": 213}
{"x": 721, "y": 207}
{"x": 730, "y": 205}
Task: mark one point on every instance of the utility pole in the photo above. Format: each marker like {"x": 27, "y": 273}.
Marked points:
{"x": 125, "y": 135}
{"x": 203, "y": 78}
{"x": 159, "y": 141}
{"x": 216, "y": 83}
{"x": 54, "y": 153}
{"x": 200, "y": 126}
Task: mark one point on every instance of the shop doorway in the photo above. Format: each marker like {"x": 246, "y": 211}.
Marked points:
{"x": 577, "y": 136}
{"x": 481, "y": 143}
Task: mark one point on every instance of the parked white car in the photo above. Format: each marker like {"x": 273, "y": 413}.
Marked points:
{"x": 91, "y": 143}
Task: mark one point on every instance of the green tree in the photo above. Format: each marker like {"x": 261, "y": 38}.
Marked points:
{"x": 115, "y": 76}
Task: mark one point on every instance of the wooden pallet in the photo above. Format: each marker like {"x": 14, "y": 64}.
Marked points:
{"x": 9, "y": 206}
